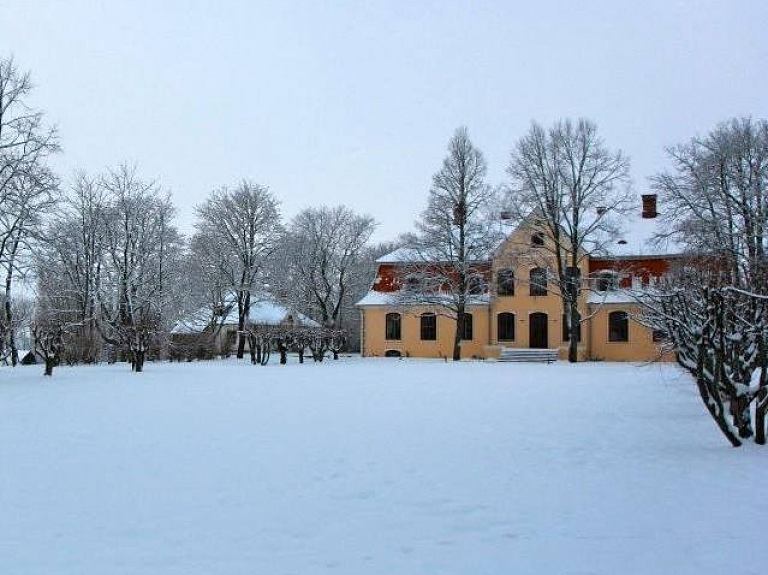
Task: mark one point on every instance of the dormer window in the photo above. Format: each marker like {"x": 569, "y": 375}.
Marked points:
{"x": 412, "y": 282}
{"x": 607, "y": 280}
{"x": 537, "y": 239}
{"x": 476, "y": 285}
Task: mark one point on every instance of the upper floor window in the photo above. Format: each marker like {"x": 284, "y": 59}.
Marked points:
{"x": 538, "y": 281}
{"x": 465, "y": 329}
{"x": 607, "y": 280}
{"x": 505, "y": 282}
{"x": 537, "y": 239}
{"x": 428, "y": 327}
{"x": 412, "y": 282}
{"x": 618, "y": 326}
{"x": 393, "y": 326}
{"x": 475, "y": 285}
{"x": 505, "y": 327}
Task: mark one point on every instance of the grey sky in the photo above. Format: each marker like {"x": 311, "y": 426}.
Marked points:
{"x": 354, "y": 102}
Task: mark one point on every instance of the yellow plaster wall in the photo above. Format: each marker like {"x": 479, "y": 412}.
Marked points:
{"x": 516, "y": 254}
{"x": 640, "y": 346}
{"x": 375, "y": 344}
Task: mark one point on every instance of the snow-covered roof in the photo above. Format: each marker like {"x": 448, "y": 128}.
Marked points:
{"x": 378, "y": 298}
{"x": 636, "y": 240}
{"x": 612, "y": 296}
{"x": 262, "y": 312}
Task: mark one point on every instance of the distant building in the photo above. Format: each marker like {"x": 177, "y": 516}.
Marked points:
{"x": 516, "y": 309}
{"x": 214, "y": 332}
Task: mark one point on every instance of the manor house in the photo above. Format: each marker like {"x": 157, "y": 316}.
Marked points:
{"x": 515, "y": 306}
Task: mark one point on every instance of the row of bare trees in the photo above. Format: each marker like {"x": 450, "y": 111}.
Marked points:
{"x": 110, "y": 273}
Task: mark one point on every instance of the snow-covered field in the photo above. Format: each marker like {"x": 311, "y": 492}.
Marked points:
{"x": 371, "y": 466}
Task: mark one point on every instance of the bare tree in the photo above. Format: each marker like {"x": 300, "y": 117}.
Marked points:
{"x": 140, "y": 242}
{"x": 70, "y": 261}
{"x": 568, "y": 187}
{"x": 26, "y": 184}
{"x": 242, "y": 229}
{"x": 325, "y": 247}
{"x": 715, "y": 308}
{"x": 445, "y": 266}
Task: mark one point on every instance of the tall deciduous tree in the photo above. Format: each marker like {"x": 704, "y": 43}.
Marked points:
{"x": 140, "y": 244}
{"x": 445, "y": 265}
{"x": 27, "y": 185}
{"x": 242, "y": 229}
{"x": 568, "y": 186}
{"x": 325, "y": 248}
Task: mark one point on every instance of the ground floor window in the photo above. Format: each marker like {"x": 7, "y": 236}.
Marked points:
{"x": 618, "y": 326}
{"x": 505, "y": 327}
{"x": 393, "y": 326}
{"x": 465, "y": 329}
{"x": 428, "y": 327}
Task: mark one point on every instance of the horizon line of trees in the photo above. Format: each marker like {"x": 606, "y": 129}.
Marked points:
{"x": 112, "y": 274}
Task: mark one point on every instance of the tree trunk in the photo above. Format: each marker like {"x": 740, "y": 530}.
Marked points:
{"x": 50, "y": 363}
{"x": 762, "y": 404}
{"x": 138, "y": 361}
{"x": 457, "y": 336}
{"x": 283, "y": 356}
{"x": 573, "y": 336}
{"x": 711, "y": 401}
{"x": 9, "y": 319}
{"x": 760, "y": 413}
{"x": 335, "y": 354}
{"x": 240, "y": 341}
{"x": 301, "y": 355}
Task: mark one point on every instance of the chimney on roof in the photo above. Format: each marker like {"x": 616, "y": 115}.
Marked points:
{"x": 649, "y": 206}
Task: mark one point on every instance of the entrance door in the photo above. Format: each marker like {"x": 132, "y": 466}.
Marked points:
{"x": 538, "y": 337}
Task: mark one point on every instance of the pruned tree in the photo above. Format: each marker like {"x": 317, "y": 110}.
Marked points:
{"x": 445, "y": 264}
{"x": 241, "y": 228}
{"x": 715, "y": 308}
{"x": 48, "y": 337}
{"x": 568, "y": 187}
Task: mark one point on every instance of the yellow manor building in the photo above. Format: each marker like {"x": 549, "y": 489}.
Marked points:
{"x": 515, "y": 308}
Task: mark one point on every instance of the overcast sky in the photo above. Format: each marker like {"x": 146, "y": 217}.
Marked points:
{"x": 354, "y": 102}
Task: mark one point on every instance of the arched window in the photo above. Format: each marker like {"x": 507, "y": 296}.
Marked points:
{"x": 465, "y": 329}
{"x": 505, "y": 282}
{"x": 393, "y": 325}
{"x": 537, "y": 239}
{"x": 505, "y": 327}
{"x": 618, "y": 326}
{"x": 428, "y": 327}
{"x": 538, "y": 281}
{"x": 566, "y": 330}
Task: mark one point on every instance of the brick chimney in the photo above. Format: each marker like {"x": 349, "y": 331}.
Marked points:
{"x": 649, "y": 206}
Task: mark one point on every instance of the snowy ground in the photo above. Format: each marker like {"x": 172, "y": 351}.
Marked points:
{"x": 371, "y": 467}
